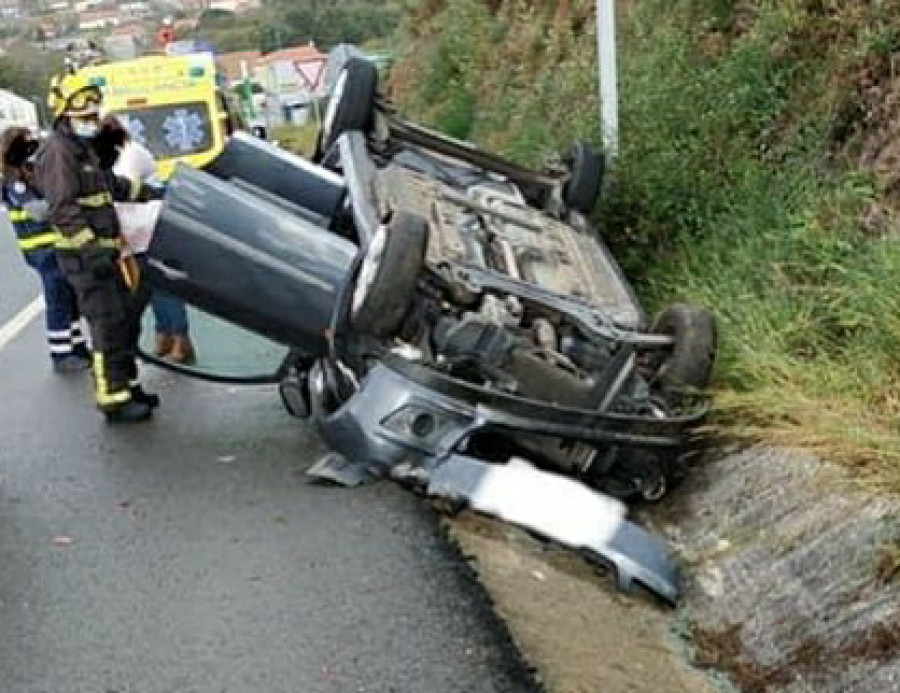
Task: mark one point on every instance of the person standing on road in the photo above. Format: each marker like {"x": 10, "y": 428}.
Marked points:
{"x": 118, "y": 150}
{"x": 80, "y": 196}
{"x": 28, "y": 213}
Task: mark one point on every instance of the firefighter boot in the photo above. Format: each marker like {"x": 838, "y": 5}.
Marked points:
{"x": 113, "y": 399}
{"x": 128, "y": 412}
{"x": 138, "y": 394}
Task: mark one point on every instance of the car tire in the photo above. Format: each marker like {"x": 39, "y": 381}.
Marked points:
{"x": 586, "y": 169}
{"x": 388, "y": 275}
{"x": 352, "y": 102}
{"x": 685, "y": 368}
{"x": 294, "y": 392}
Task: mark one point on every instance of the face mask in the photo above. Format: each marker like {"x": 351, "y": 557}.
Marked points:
{"x": 86, "y": 129}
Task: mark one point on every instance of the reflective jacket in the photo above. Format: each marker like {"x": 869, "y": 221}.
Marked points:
{"x": 27, "y": 212}
{"x": 81, "y": 194}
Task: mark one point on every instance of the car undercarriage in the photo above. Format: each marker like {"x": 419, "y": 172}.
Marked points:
{"x": 440, "y": 304}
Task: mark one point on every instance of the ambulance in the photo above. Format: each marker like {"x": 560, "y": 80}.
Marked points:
{"x": 172, "y": 104}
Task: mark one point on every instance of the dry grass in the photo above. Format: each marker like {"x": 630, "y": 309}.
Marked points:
{"x": 835, "y": 428}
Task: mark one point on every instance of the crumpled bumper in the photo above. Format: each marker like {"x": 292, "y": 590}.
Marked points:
{"x": 394, "y": 423}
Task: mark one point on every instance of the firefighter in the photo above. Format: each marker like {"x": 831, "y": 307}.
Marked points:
{"x": 27, "y": 212}
{"x": 127, "y": 157}
{"x": 110, "y": 294}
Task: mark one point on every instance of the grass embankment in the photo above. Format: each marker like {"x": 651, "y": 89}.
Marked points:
{"x": 754, "y": 177}
{"x": 299, "y": 139}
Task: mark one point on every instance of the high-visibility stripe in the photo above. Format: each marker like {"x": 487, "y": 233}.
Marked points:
{"x": 101, "y": 199}
{"x": 17, "y": 216}
{"x": 74, "y": 242}
{"x": 40, "y": 240}
{"x": 60, "y": 349}
{"x": 104, "y": 396}
{"x": 110, "y": 242}
{"x": 83, "y": 238}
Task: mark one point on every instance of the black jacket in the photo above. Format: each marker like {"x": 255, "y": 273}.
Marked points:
{"x": 80, "y": 193}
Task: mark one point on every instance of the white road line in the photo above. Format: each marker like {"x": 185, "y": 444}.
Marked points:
{"x": 12, "y": 329}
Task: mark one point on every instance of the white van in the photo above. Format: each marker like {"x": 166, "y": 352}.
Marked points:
{"x": 16, "y": 111}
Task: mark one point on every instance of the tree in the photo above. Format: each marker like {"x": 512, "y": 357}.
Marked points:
{"x": 27, "y": 71}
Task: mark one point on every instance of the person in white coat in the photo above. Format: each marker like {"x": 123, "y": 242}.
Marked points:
{"x": 128, "y": 158}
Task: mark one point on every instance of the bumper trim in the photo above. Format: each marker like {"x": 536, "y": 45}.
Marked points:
{"x": 565, "y": 511}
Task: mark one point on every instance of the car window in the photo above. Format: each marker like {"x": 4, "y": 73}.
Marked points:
{"x": 224, "y": 351}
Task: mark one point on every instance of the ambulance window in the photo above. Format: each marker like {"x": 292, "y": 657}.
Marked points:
{"x": 171, "y": 130}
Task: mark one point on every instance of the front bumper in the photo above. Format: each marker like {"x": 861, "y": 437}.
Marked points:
{"x": 404, "y": 411}
{"x": 409, "y": 422}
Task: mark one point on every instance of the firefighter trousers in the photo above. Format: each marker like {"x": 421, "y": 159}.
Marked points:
{"x": 113, "y": 313}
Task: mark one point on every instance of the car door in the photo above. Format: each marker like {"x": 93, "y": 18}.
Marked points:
{"x": 256, "y": 261}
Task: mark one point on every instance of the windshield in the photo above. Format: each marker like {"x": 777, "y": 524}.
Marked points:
{"x": 171, "y": 130}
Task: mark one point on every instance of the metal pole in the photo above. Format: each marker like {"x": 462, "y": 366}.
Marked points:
{"x": 609, "y": 97}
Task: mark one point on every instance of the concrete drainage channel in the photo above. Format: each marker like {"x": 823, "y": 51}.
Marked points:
{"x": 791, "y": 580}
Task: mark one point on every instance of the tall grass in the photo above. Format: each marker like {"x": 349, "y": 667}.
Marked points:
{"x": 730, "y": 195}
{"x": 731, "y": 189}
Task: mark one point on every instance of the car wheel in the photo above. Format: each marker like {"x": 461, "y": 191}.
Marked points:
{"x": 586, "y": 169}
{"x": 294, "y": 391}
{"x": 352, "y": 101}
{"x": 388, "y": 276}
{"x": 686, "y": 366}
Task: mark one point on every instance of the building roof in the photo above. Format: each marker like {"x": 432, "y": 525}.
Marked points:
{"x": 296, "y": 54}
{"x": 129, "y": 30}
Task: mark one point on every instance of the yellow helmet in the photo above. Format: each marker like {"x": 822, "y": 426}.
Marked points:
{"x": 74, "y": 95}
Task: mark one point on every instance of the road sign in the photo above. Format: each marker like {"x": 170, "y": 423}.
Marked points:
{"x": 310, "y": 72}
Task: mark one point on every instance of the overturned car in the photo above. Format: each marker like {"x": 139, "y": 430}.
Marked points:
{"x": 438, "y": 300}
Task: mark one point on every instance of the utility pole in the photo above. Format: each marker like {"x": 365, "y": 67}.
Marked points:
{"x": 606, "y": 58}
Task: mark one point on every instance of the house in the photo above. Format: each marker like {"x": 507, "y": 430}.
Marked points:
{"x": 103, "y": 19}
{"x": 135, "y": 9}
{"x": 291, "y": 69}
{"x": 136, "y": 31}
{"x": 48, "y": 30}
{"x": 190, "y": 5}
{"x": 236, "y": 6}
{"x": 87, "y": 5}
{"x": 292, "y": 78}
{"x": 240, "y": 64}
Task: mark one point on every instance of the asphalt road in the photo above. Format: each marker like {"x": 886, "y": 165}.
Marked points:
{"x": 190, "y": 555}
